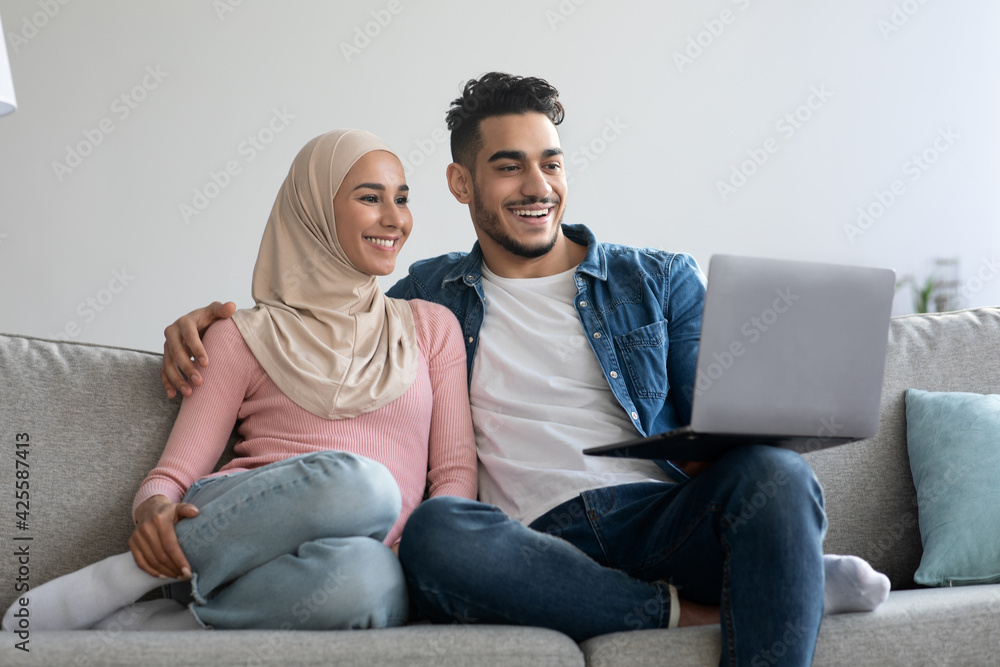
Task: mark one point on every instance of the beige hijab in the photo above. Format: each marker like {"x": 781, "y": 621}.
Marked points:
{"x": 324, "y": 331}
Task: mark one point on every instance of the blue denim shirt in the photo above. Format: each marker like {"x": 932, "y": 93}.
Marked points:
{"x": 640, "y": 308}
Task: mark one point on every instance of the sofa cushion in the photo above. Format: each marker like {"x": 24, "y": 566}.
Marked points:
{"x": 419, "y": 646}
{"x": 915, "y": 627}
{"x": 954, "y": 446}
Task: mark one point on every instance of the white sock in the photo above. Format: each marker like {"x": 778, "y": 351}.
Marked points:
{"x": 151, "y": 615}
{"x": 79, "y": 599}
{"x": 852, "y": 585}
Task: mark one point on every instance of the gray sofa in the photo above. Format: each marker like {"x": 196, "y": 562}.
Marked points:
{"x": 96, "y": 419}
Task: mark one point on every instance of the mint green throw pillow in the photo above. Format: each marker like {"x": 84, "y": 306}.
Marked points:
{"x": 953, "y": 440}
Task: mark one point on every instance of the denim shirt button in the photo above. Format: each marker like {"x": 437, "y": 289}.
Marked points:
{"x": 635, "y": 415}
{"x": 614, "y": 375}
{"x": 597, "y": 334}
{"x": 583, "y": 304}
{"x": 470, "y": 340}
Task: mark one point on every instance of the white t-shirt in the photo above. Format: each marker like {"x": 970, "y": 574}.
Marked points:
{"x": 539, "y": 398}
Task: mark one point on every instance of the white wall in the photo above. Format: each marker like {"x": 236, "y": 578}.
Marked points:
{"x": 666, "y": 133}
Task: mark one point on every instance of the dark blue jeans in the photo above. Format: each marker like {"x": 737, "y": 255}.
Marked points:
{"x": 746, "y": 535}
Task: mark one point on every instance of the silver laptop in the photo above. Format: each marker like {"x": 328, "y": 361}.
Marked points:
{"x": 791, "y": 354}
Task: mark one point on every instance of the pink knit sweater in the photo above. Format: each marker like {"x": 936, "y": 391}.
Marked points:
{"x": 424, "y": 437}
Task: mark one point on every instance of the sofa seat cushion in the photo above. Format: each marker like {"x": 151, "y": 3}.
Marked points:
{"x": 940, "y": 626}
{"x": 417, "y": 646}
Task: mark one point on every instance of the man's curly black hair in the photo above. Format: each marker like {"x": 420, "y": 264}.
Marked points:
{"x": 496, "y": 94}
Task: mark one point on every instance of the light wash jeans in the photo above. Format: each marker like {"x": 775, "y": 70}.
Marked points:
{"x": 746, "y": 535}
{"x": 296, "y": 544}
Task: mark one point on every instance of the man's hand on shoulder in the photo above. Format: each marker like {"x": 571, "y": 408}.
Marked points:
{"x": 183, "y": 346}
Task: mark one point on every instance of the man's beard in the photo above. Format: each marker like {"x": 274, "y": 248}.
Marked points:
{"x": 489, "y": 222}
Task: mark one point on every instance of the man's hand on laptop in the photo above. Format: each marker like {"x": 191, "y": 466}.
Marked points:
{"x": 692, "y": 468}
{"x": 183, "y": 346}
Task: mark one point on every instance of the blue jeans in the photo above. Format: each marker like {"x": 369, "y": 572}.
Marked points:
{"x": 746, "y": 535}
{"x": 296, "y": 544}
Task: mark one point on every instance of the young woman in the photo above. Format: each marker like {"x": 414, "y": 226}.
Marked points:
{"x": 349, "y": 406}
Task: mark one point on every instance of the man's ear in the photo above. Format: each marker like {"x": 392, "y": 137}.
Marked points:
{"x": 460, "y": 182}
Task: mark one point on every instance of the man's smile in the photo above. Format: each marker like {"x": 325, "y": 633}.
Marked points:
{"x": 534, "y": 213}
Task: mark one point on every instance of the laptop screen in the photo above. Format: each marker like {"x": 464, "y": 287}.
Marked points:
{"x": 792, "y": 348}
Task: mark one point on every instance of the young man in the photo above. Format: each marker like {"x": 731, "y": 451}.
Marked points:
{"x": 573, "y": 343}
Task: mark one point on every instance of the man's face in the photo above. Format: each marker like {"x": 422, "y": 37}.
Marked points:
{"x": 519, "y": 192}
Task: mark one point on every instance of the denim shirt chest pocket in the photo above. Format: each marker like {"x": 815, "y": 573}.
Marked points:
{"x": 644, "y": 355}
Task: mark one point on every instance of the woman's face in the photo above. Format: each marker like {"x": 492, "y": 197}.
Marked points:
{"x": 371, "y": 213}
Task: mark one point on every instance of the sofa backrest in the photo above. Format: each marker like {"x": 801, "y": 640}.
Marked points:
{"x": 96, "y": 419}
{"x": 871, "y": 502}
